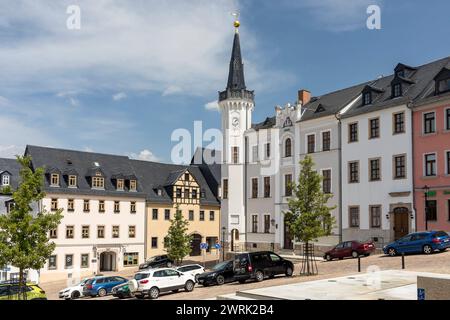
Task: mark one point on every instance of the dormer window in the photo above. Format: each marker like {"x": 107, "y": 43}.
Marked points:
{"x": 159, "y": 192}
{"x": 72, "y": 181}
{"x": 54, "y": 180}
{"x": 98, "y": 182}
{"x": 5, "y": 180}
{"x": 120, "y": 184}
{"x": 133, "y": 185}
{"x": 367, "y": 98}
{"x": 400, "y": 73}
{"x": 396, "y": 90}
{"x": 444, "y": 85}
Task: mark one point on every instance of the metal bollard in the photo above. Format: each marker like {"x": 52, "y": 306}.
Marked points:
{"x": 359, "y": 263}
{"x": 403, "y": 260}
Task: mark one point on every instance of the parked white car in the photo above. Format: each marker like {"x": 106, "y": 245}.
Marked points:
{"x": 192, "y": 269}
{"x": 74, "y": 292}
{"x": 152, "y": 282}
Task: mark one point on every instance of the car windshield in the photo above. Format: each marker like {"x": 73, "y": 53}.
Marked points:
{"x": 82, "y": 283}
{"x": 220, "y": 266}
{"x": 441, "y": 234}
{"x": 90, "y": 281}
{"x": 140, "y": 276}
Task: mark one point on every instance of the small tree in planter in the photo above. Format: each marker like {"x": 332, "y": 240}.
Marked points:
{"x": 24, "y": 235}
{"x": 178, "y": 241}
{"x": 309, "y": 217}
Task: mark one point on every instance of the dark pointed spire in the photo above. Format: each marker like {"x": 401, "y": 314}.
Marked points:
{"x": 236, "y": 80}
{"x": 236, "y": 88}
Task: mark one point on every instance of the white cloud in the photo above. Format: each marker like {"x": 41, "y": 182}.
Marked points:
{"x": 171, "y": 90}
{"x": 19, "y": 134}
{"x": 3, "y": 101}
{"x": 212, "y": 106}
{"x": 145, "y": 155}
{"x": 119, "y": 96}
{"x": 10, "y": 151}
{"x": 337, "y": 15}
{"x": 166, "y": 46}
{"x": 70, "y": 96}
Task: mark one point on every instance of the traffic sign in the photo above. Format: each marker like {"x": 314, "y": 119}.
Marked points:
{"x": 217, "y": 246}
{"x": 204, "y": 246}
{"x": 420, "y": 294}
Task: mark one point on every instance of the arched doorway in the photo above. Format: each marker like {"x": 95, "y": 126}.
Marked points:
{"x": 108, "y": 261}
{"x": 195, "y": 245}
{"x": 401, "y": 222}
{"x": 234, "y": 238}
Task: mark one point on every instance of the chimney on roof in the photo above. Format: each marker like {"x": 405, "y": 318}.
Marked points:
{"x": 304, "y": 96}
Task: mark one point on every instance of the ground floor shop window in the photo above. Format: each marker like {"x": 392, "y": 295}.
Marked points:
{"x": 130, "y": 259}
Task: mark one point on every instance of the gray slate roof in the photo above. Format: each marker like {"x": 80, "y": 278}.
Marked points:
{"x": 154, "y": 175}
{"x": 84, "y": 164}
{"x": 12, "y": 167}
{"x": 266, "y": 124}
{"x": 420, "y": 85}
{"x": 150, "y": 175}
{"x": 330, "y": 103}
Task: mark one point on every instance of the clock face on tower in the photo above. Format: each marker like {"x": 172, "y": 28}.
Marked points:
{"x": 235, "y": 122}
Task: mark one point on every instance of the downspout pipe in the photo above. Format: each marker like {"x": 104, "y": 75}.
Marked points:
{"x": 410, "y": 106}
{"x": 338, "y": 118}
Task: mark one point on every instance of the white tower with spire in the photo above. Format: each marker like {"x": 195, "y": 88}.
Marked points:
{"x": 236, "y": 105}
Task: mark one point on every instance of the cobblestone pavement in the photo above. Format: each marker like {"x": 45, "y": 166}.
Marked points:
{"x": 437, "y": 263}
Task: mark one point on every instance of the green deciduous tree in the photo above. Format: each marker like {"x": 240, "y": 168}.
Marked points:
{"x": 309, "y": 217}
{"x": 24, "y": 235}
{"x": 178, "y": 241}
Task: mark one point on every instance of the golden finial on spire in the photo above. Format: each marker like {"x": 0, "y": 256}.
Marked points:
{"x": 237, "y": 24}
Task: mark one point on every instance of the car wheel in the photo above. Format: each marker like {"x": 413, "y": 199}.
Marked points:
{"x": 196, "y": 278}
{"x": 328, "y": 257}
{"x": 355, "y": 254}
{"x": 154, "y": 293}
{"x": 427, "y": 249}
{"x": 75, "y": 295}
{"x": 259, "y": 275}
{"x": 289, "y": 272}
{"x": 220, "y": 280}
{"x": 169, "y": 264}
{"x": 242, "y": 281}
{"x": 189, "y": 286}
{"x": 392, "y": 252}
{"x": 102, "y": 292}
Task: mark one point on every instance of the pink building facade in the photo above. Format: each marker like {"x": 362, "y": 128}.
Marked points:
{"x": 431, "y": 149}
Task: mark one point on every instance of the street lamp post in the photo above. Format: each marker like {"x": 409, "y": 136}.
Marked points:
{"x": 426, "y": 189}
{"x": 223, "y": 243}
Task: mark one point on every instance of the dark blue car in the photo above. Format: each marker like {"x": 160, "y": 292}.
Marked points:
{"x": 419, "y": 242}
{"x": 101, "y": 286}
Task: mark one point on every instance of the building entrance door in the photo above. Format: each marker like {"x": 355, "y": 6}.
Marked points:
{"x": 401, "y": 222}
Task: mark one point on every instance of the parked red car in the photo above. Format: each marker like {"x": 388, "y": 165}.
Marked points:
{"x": 349, "y": 249}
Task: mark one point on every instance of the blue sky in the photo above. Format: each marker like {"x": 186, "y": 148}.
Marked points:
{"x": 137, "y": 70}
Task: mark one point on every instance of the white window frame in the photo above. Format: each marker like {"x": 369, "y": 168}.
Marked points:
{"x": 321, "y": 140}
{"x": 306, "y": 143}
{"x": 6, "y": 179}
{"x": 446, "y": 125}
{"x": 424, "y": 164}
{"x": 447, "y": 168}
{"x": 423, "y": 122}
{"x": 331, "y": 178}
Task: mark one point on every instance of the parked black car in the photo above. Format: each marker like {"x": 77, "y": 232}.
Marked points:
{"x": 157, "y": 262}
{"x": 221, "y": 273}
{"x": 260, "y": 265}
